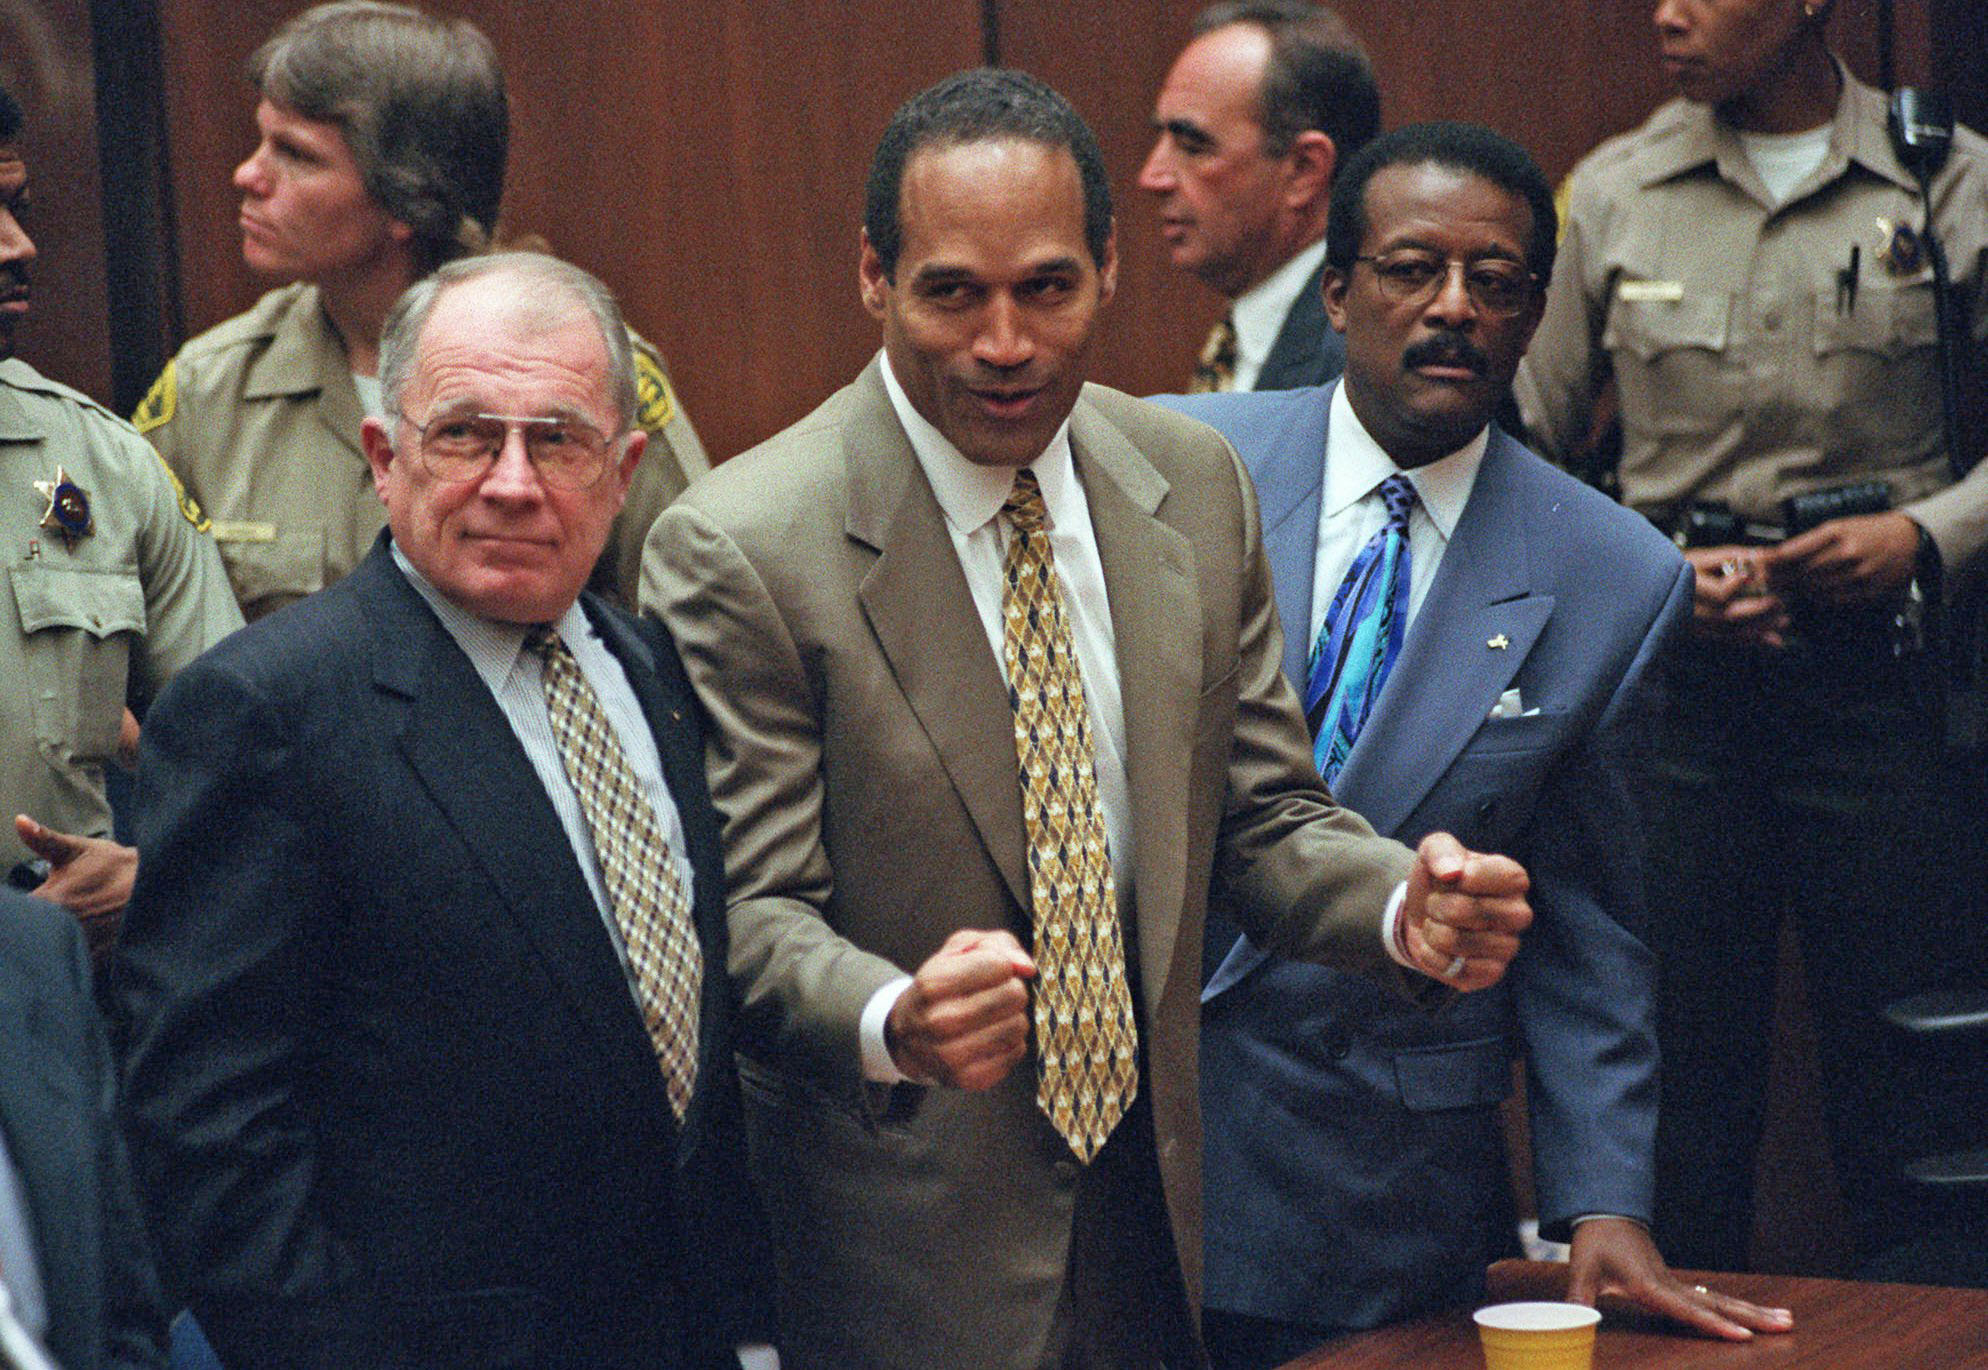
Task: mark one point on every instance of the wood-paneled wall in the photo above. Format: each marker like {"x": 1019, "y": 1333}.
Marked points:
{"x": 707, "y": 159}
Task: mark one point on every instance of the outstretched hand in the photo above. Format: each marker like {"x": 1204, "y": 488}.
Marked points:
{"x": 1615, "y": 1258}
{"x": 89, "y": 876}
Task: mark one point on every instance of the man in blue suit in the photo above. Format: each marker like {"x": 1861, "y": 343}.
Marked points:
{"x": 1483, "y": 625}
{"x": 73, "y": 1258}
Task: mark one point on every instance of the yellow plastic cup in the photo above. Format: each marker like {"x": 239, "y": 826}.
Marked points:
{"x": 1537, "y": 1336}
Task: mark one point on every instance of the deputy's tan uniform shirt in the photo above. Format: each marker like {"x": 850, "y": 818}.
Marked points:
{"x": 1745, "y": 375}
{"x": 88, "y": 624}
{"x": 259, "y": 419}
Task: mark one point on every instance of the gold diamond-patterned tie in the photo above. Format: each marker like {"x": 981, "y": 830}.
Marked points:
{"x": 649, "y": 903}
{"x": 1086, "y": 1043}
{"x": 1216, "y": 369}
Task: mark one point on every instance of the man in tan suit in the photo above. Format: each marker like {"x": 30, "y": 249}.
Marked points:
{"x": 966, "y": 569}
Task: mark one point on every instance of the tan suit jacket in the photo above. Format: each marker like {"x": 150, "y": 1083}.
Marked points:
{"x": 863, "y": 758}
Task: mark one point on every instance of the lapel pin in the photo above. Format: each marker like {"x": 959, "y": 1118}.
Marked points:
{"x": 68, "y": 515}
{"x": 1498, "y": 643}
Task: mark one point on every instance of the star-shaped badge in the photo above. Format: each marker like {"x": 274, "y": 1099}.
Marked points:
{"x": 68, "y": 515}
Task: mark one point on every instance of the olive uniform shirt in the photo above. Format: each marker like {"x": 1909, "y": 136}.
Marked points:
{"x": 96, "y": 620}
{"x": 259, "y": 418}
{"x": 1747, "y": 372}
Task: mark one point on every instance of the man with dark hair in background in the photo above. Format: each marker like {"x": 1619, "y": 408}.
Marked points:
{"x": 1258, "y": 112}
{"x": 1354, "y": 1159}
{"x": 990, "y": 657}
{"x": 116, "y": 587}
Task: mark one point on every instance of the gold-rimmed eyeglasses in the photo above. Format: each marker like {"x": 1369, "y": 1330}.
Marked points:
{"x": 1497, "y": 286}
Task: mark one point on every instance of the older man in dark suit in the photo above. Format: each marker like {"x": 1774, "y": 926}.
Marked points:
{"x": 431, "y": 1059}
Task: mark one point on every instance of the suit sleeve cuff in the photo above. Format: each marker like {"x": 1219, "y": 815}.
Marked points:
{"x": 878, "y": 1068}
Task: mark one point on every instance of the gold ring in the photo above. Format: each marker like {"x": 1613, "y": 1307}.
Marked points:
{"x": 1699, "y": 1289}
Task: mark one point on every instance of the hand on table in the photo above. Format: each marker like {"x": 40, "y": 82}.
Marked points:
{"x": 1615, "y": 1258}
{"x": 1463, "y": 913}
{"x": 964, "y": 1019}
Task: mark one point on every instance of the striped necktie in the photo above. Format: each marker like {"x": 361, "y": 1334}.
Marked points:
{"x": 1086, "y": 1041}
{"x": 1361, "y": 635}
{"x": 649, "y": 904}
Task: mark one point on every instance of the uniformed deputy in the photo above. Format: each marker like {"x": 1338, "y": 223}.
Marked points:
{"x": 110, "y": 589}
{"x": 382, "y": 141}
{"x": 1749, "y": 266}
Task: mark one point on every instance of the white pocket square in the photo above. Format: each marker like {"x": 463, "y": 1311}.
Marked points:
{"x": 1511, "y": 705}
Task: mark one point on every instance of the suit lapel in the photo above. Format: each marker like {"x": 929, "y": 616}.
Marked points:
{"x": 916, "y": 600}
{"x": 1294, "y": 358}
{"x": 667, "y": 703}
{"x": 1450, "y": 673}
{"x": 464, "y": 754}
{"x": 1156, "y": 624}
{"x": 1290, "y": 481}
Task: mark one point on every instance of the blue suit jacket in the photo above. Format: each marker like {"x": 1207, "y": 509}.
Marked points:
{"x": 389, "y": 1097}
{"x": 56, "y": 1097}
{"x": 1354, "y": 1167}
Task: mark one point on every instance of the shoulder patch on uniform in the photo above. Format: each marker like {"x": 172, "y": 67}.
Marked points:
{"x": 156, "y": 409}
{"x": 655, "y": 402}
{"x": 188, "y": 505}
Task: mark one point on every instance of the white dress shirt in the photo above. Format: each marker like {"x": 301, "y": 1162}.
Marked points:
{"x": 970, "y": 495}
{"x": 1259, "y": 312}
{"x": 1350, "y": 508}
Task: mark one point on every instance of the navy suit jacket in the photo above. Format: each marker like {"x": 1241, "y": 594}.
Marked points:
{"x": 389, "y": 1095}
{"x": 1354, "y": 1167}
{"x": 56, "y": 1107}
{"x": 1307, "y": 351}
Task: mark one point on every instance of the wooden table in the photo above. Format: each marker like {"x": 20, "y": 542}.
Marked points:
{"x": 1838, "y": 1326}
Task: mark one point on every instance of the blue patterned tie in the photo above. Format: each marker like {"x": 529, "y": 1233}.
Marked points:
{"x": 1361, "y": 635}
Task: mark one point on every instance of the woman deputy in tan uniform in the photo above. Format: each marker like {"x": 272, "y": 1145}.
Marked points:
{"x": 382, "y": 134}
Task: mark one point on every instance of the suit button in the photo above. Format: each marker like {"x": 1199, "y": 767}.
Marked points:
{"x": 1485, "y": 810}
{"x": 1338, "y": 1048}
{"x": 1065, "y": 1173}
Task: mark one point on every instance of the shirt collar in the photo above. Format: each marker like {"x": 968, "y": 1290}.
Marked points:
{"x": 1259, "y": 312}
{"x": 1856, "y": 134}
{"x": 1356, "y": 466}
{"x": 969, "y": 493}
{"x": 492, "y": 647}
{"x": 16, "y": 424}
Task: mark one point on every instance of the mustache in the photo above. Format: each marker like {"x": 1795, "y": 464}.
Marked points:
{"x": 1446, "y": 349}
{"x": 13, "y": 278}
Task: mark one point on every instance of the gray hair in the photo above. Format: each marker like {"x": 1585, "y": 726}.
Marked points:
{"x": 549, "y": 291}
{"x": 419, "y": 100}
